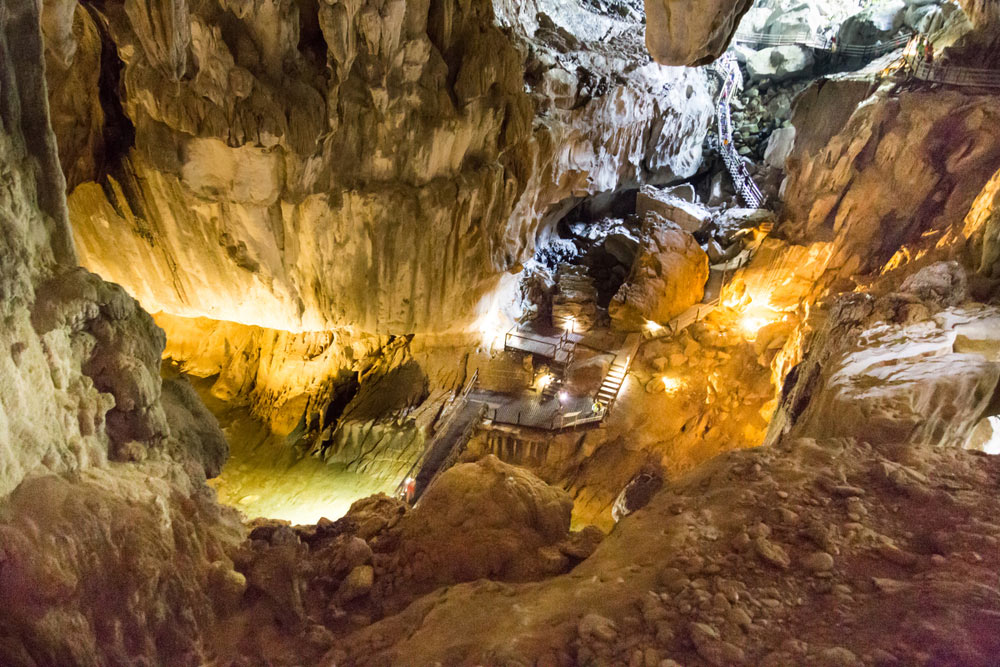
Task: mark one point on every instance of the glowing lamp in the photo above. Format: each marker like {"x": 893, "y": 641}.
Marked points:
{"x": 545, "y": 380}
{"x": 653, "y": 327}
{"x": 751, "y": 324}
{"x": 563, "y": 396}
{"x": 672, "y": 384}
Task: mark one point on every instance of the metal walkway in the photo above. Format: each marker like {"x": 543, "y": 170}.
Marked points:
{"x": 757, "y": 40}
{"x": 464, "y": 415}
{"x": 913, "y": 66}
{"x": 732, "y": 81}
{"x": 446, "y": 447}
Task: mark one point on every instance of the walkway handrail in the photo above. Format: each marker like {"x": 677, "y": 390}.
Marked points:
{"x": 732, "y": 80}
{"x": 460, "y": 443}
{"x": 461, "y": 399}
{"x": 812, "y": 41}
{"x": 516, "y": 334}
{"x": 919, "y": 68}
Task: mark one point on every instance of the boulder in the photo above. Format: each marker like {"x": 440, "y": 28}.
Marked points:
{"x": 779, "y": 146}
{"x": 686, "y": 33}
{"x": 687, "y": 214}
{"x": 668, "y": 277}
{"x": 684, "y": 191}
{"x": 942, "y": 284}
{"x": 622, "y": 246}
{"x": 358, "y": 583}
{"x": 802, "y": 19}
{"x": 874, "y": 25}
{"x": 780, "y": 62}
{"x": 486, "y": 519}
{"x": 928, "y": 18}
{"x": 374, "y": 514}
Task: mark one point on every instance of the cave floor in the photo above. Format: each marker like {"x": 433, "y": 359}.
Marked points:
{"x": 266, "y": 476}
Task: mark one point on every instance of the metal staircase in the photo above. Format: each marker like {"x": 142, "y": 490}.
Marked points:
{"x": 463, "y": 418}
{"x": 732, "y": 80}
{"x": 615, "y": 377}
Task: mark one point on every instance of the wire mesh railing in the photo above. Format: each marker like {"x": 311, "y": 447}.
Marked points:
{"x": 813, "y": 41}
{"x": 952, "y": 75}
{"x": 732, "y": 80}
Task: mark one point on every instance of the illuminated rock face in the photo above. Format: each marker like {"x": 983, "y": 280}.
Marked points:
{"x": 679, "y": 32}
{"x": 667, "y": 277}
{"x": 365, "y": 164}
{"x": 280, "y": 375}
{"x": 912, "y": 366}
{"x": 982, "y": 229}
{"x": 939, "y": 148}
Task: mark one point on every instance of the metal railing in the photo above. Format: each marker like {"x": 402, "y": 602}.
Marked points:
{"x": 460, "y": 442}
{"x": 732, "y": 80}
{"x": 813, "y": 41}
{"x": 545, "y": 346}
{"x": 955, "y": 76}
{"x": 558, "y": 421}
{"x": 460, "y": 399}
{"x": 915, "y": 66}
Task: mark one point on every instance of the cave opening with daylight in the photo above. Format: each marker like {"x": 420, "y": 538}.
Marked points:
{"x": 484, "y": 332}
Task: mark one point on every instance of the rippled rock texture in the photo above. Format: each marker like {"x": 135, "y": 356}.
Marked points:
{"x": 109, "y": 533}
{"x": 371, "y": 164}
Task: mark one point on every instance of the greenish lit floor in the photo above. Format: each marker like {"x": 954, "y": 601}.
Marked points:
{"x": 266, "y": 476}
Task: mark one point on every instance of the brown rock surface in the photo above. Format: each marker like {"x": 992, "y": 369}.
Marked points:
{"x": 667, "y": 278}
{"x": 306, "y": 153}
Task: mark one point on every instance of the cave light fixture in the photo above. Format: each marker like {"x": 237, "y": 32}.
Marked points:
{"x": 672, "y": 384}
{"x": 544, "y": 381}
{"x": 563, "y": 396}
{"x": 490, "y": 327}
{"x": 756, "y": 312}
{"x": 653, "y": 327}
{"x": 570, "y": 324}
{"x": 750, "y": 324}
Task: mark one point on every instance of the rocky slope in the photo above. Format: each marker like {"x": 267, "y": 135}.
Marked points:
{"x": 768, "y": 556}
{"x": 377, "y": 166}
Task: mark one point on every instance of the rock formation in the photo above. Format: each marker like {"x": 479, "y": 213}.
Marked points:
{"x": 684, "y": 33}
{"x": 307, "y": 153}
{"x": 109, "y": 531}
{"x": 668, "y": 276}
{"x": 938, "y": 147}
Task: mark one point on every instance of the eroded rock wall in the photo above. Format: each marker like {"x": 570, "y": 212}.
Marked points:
{"x": 938, "y": 147}
{"x": 380, "y": 166}
{"x": 108, "y": 530}
{"x": 280, "y": 375}
{"x": 915, "y": 364}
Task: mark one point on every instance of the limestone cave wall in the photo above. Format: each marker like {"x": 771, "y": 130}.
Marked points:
{"x": 377, "y": 165}
{"x": 109, "y": 533}
{"x": 939, "y": 147}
